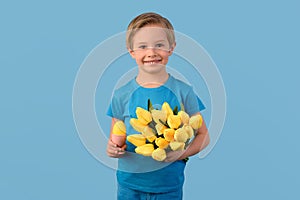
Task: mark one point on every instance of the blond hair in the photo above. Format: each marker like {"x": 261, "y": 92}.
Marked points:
{"x": 145, "y": 19}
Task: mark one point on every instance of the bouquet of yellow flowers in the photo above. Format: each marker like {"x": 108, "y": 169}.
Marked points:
{"x": 162, "y": 130}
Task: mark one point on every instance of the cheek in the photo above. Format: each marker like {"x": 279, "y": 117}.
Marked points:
{"x": 136, "y": 57}
{"x": 166, "y": 54}
{"x": 139, "y": 58}
{"x": 165, "y": 57}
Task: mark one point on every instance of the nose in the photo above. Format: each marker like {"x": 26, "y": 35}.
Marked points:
{"x": 151, "y": 52}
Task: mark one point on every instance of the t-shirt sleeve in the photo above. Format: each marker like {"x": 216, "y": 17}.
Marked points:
{"x": 200, "y": 104}
{"x": 193, "y": 103}
{"x": 115, "y": 109}
{"x": 109, "y": 111}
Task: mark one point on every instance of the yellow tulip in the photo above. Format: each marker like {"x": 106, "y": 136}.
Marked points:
{"x": 166, "y": 107}
{"x": 196, "y": 121}
{"x": 181, "y": 135}
{"x": 189, "y": 130}
{"x": 169, "y": 134}
{"x": 149, "y": 134}
{"x": 161, "y": 143}
{"x": 151, "y": 138}
{"x": 159, "y": 115}
{"x": 144, "y": 116}
{"x": 160, "y": 128}
{"x": 136, "y": 139}
{"x": 145, "y": 150}
{"x": 119, "y": 128}
{"x": 184, "y": 117}
{"x": 147, "y": 131}
{"x": 174, "y": 121}
{"x": 137, "y": 125}
{"x": 176, "y": 146}
{"x": 159, "y": 154}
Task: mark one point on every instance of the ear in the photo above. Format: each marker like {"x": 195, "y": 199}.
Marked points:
{"x": 172, "y": 48}
{"x": 131, "y": 52}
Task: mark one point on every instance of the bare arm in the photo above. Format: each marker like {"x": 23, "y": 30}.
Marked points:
{"x": 112, "y": 149}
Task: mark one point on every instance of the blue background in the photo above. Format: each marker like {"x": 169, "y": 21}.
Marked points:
{"x": 255, "y": 45}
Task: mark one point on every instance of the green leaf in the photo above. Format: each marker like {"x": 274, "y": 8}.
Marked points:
{"x": 150, "y": 107}
{"x": 164, "y": 123}
{"x": 181, "y": 106}
{"x": 152, "y": 125}
{"x": 175, "y": 111}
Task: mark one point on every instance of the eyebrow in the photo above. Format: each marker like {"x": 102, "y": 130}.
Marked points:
{"x": 154, "y": 42}
{"x": 160, "y": 41}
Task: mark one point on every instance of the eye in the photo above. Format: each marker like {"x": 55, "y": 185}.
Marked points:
{"x": 159, "y": 45}
{"x": 142, "y": 47}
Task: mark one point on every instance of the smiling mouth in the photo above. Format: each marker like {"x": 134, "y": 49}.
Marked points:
{"x": 152, "y": 62}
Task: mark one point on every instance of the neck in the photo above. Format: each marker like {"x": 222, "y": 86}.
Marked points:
{"x": 152, "y": 80}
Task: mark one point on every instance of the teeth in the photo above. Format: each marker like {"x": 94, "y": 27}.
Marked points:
{"x": 151, "y": 62}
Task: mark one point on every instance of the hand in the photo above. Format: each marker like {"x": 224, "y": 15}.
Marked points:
{"x": 173, "y": 156}
{"x": 114, "y": 151}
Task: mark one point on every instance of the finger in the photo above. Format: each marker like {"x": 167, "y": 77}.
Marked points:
{"x": 115, "y": 152}
{"x": 111, "y": 150}
{"x": 111, "y": 146}
{"x": 110, "y": 153}
{"x": 110, "y": 143}
{"x": 168, "y": 160}
{"x": 120, "y": 153}
{"x": 124, "y": 147}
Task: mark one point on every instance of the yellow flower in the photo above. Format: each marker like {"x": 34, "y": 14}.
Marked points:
{"x": 166, "y": 107}
{"x": 189, "y": 130}
{"x": 119, "y": 128}
{"x": 184, "y": 117}
{"x": 196, "y": 121}
{"x": 144, "y": 116}
{"x": 169, "y": 134}
{"x": 147, "y": 131}
{"x": 181, "y": 135}
{"x": 137, "y": 125}
{"x": 151, "y": 138}
{"x": 160, "y": 128}
{"x": 161, "y": 143}
{"x": 159, "y": 154}
{"x": 145, "y": 150}
{"x": 136, "y": 139}
{"x": 174, "y": 121}
{"x": 149, "y": 134}
{"x": 159, "y": 115}
{"x": 175, "y": 146}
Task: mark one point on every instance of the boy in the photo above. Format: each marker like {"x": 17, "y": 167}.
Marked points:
{"x": 150, "y": 41}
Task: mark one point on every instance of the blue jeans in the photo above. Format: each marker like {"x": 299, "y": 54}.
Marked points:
{"x": 125, "y": 193}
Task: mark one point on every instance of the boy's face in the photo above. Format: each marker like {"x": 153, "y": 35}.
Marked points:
{"x": 151, "y": 49}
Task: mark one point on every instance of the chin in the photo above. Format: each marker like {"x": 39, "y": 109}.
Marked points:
{"x": 153, "y": 69}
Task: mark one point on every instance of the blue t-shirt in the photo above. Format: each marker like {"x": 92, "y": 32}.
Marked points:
{"x": 144, "y": 173}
